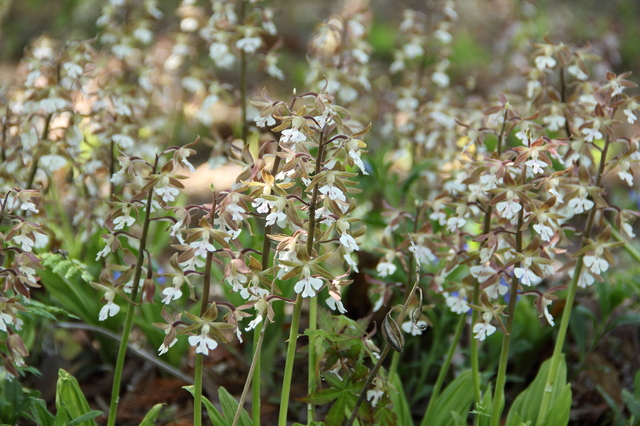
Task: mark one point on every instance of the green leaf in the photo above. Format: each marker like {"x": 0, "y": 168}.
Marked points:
{"x": 214, "y": 415}
{"x": 581, "y": 323}
{"x": 610, "y": 402}
{"x": 334, "y": 380}
{"x": 70, "y": 397}
{"x": 47, "y": 311}
{"x": 633, "y": 405}
{"x": 561, "y": 409}
{"x": 337, "y": 414}
{"x": 75, "y": 296}
{"x": 85, "y": 417}
{"x": 626, "y": 319}
{"x": 636, "y": 386}
{"x": 322, "y": 397}
{"x": 484, "y": 411}
{"x": 386, "y": 417}
{"x": 41, "y": 415}
{"x": 16, "y": 400}
{"x": 61, "y": 417}
{"x": 230, "y": 406}
{"x": 456, "y": 398}
{"x": 151, "y": 416}
{"x": 526, "y": 407}
{"x": 400, "y": 403}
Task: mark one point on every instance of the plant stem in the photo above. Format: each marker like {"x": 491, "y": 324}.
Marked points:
{"x": 443, "y": 371}
{"x": 36, "y": 156}
{"x": 295, "y": 320}
{"x": 243, "y": 81}
{"x": 501, "y": 379}
{"x": 313, "y": 302}
{"x": 197, "y": 395}
{"x": 385, "y": 351}
{"x": 255, "y": 365}
{"x": 368, "y": 383}
{"x": 112, "y": 168}
{"x": 266, "y": 257}
{"x": 573, "y": 287}
{"x": 393, "y": 368}
{"x": 313, "y": 326}
{"x": 633, "y": 252}
{"x": 204, "y": 305}
{"x": 122, "y": 350}
{"x": 288, "y": 368}
{"x": 475, "y": 366}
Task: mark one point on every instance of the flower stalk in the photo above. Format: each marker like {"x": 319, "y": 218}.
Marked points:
{"x": 313, "y": 302}
{"x": 442, "y": 374}
{"x": 243, "y": 82}
{"x": 122, "y": 350}
{"x": 295, "y": 321}
{"x": 506, "y": 339}
{"x": 204, "y": 305}
{"x": 571, "y": 296}
{"x": 36, "y": 156}
{"x": 486, "y": 228}
{"x": 288, "y": 368}
{"x": 385, "y": 351}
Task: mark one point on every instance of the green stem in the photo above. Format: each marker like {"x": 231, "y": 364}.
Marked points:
{"x": 5, "y": 125}
{"x": 475, "y": 365}
{"x": 313, "y": 325}
{"x": 385, "y": 351}
{"x": 313, "y": 302}
{"x": 255, "y": 389}
{"x": 443, "y": 371}
{"x": 255, "y": 365}
{"x": 573, "y": 288}
{"x": 112, "y": 168}
{"x": 204, "y": 305}
{"x": 71, "y": 240}
{"x": 36, "y": 156}
{"x": 197, "y": 395}
{"x": 266, "y": 256}
{"x": 633, "y": 252}
{"x": 288, "y": 367}
{"x": 295, "y": 321}
{"x": 122, "y": 350}
{"x": 393, "y": 368}
{"x": 372, "y": 376}
{"x": 506, "y": 339}
{"x": 243, "y": 81}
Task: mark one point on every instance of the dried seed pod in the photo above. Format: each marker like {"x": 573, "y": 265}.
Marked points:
{"x": 416, "y": 313}
{"x": 392, "y": 333}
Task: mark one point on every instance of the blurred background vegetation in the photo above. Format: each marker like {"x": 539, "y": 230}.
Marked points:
{"x": 480, "y": 45}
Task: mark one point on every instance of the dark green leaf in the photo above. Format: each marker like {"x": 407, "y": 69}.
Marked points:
{"x": 41, "y": 415}
{"x": 150, "y": 418}
{"x": 70, "y": 396}
{"x": 626, "y": 319}
{"x": 85, "y": 417}
{"x": 400, "y": 403}
{"x": 229, "y": 407}
{"x": 633, "y": 405}
{"x": 526, "y": 407}
{"x": 560, "y": 410}
{"x": 322, "y": 397}
{"x": 214, "y": 415}
{"x": 336, "y": 415}
{"x": 456, "y": 397}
